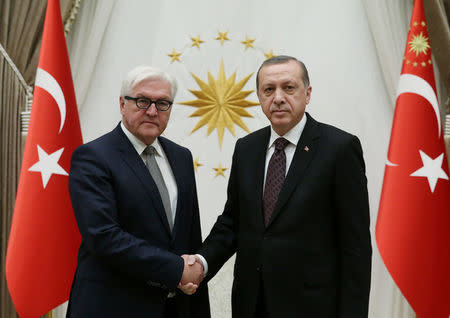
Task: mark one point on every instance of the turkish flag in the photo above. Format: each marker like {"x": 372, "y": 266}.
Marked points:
{"x": 413, "y": 226}
{"x": 44, "y": 238}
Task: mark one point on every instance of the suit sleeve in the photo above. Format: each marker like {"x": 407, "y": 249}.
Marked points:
{"x": 91, "y": 188}
{"x": 200, "y": 300}
{"x": 352, "y": 204}
{"x": 221, "y": 243}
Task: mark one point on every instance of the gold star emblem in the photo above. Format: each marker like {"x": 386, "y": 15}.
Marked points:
{"x": 407, "y": 62}
{"x": 222, "y": 37}
{"x": 423, "y": 64}
{"x": 175, "y": 56}
{"x": 197, "y": 164}
{"x": 415, "y": 23}
{"x": 419, "y": 44}
{"x": 221, "y": 103}
{"x": 423, "y": 23}
{"x": 248, "y": 42}
{"x": 269, "y": 55}
{"x": 196, "y": 41}
{"x": 429, "y": 61}
{"x": 415, "y": 64}
{"x": 220, "y": 171}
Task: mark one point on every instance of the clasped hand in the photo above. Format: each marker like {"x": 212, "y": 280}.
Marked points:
{"x": 193, "y": 274}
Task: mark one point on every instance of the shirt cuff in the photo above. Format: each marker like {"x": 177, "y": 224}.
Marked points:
{"x": 205, "y": 264}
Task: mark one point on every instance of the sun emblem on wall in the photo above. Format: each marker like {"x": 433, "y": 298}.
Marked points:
{"x": 221, "y": 103}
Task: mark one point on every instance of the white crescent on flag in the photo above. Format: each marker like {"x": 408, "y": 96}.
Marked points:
{"x": 414, "y": 84}
{"x": 47, "y": 82}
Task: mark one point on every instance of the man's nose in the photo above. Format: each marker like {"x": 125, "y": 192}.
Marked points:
{"x": 278, "y": 97}
{"x": 152, "y": 111}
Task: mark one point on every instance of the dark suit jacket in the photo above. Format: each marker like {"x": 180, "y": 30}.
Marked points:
{"x": 129, "y": 260}
{"x": 314, "y": 258}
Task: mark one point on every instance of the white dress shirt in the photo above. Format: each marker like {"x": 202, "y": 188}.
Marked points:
{"x": 292, "y": 136}
{"x": 163, "y": 164}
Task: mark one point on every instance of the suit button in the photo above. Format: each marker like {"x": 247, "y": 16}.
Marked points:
{"x": 258, "y": 269}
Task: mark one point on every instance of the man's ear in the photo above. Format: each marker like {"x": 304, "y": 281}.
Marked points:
{"x": 308, "y": 94}
{"x": 122, "y": 104}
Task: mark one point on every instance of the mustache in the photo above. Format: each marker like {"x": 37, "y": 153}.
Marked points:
{"x": 275, "y": 107}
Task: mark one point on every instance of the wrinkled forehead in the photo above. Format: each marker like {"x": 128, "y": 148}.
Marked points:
{"x": 290, "y": 70}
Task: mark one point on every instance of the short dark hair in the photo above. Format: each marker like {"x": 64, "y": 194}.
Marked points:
{"x": 281, "y": 59}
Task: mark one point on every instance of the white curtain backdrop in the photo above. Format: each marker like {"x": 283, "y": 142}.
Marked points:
{"x": 389, "y": 25}
{"x": 354, "y": 60}
{"x": 84, "y": 43}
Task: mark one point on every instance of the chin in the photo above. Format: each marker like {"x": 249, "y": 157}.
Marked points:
{"x": 280, "y": 122}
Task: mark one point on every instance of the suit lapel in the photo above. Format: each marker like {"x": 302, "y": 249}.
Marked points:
{"x": 257, "y": 160}
{"x": 305, "y": 151}
{"x": 137, "y": 165}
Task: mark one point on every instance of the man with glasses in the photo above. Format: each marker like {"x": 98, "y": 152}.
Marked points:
{"x": 135, "y": 202}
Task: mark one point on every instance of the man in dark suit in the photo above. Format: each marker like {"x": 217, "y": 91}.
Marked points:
{"x": 135, "y": 202}
{"x": 297, "y": 212}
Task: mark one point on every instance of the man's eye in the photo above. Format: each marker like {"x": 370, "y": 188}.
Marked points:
{"x": 143, "y": 101}
{"x": 289, "y": 88}
{"x": 162, "y": 102}
{"x": 268, "y": 90}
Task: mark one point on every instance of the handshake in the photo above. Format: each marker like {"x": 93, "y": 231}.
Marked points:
{"x": 193, "y": 274}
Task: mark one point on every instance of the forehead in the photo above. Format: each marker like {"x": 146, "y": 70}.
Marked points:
{"x": 289, "y": 71}
{"x": 153, "y": 86}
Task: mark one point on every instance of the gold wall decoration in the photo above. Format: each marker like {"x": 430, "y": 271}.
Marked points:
{"x": 221, "y": 103}
{"x": 220, "y": 171}
{"x": 197, "y": 164}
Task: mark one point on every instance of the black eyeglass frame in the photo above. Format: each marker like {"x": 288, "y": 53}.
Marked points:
{"x": 163, "y": 109}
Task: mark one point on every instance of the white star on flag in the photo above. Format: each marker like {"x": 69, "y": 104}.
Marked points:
{"x": 48, "y": 165}
{"x": 432, "y": 169}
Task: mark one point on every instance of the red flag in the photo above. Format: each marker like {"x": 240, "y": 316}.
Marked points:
{"x": 44, "y": 238}
{"x": 413, "y": 223}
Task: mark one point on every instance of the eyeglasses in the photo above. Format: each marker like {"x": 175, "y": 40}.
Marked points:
{"x": 145, "y": 103}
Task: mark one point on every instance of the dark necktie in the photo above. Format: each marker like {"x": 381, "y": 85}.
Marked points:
{"x": 276, "y": 172}
{"x": 152, "y": 166}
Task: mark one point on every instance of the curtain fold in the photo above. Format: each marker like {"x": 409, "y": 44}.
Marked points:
{"x": 85, "y": 41}
{"x": 21, "y": 24}
{"x": 389, "y": 23}
{"x": 439, "y": 31}
{"x": 12, "y": 99}
{"x": 22, "y": 40}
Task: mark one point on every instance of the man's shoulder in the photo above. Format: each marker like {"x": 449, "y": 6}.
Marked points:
{"x": 103, "y": 144}
{"x": 260, "y": 135}
{"x": 331, "y": 132}
{"x": 170, "y": 145}
{"x": 335, "y": 132}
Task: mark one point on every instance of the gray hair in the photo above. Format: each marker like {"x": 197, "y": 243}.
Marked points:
{"x": 281, "y": 59}
{"x": 142, "y": 73}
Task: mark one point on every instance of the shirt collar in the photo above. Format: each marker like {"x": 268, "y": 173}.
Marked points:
{"x": 293, "y": 135}
{"x": 138, "y": 144}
